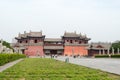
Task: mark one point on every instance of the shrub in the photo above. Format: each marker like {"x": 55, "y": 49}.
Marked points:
{"x": 115, "y": 56}
{"x": 107, "y": 56}
{"x": 5, "y": 58}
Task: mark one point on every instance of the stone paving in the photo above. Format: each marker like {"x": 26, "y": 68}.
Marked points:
{"x": 104, "y": 64}
{"x": 4, "y": 67}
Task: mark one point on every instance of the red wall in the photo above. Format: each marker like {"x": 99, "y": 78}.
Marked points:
{"x": 75, "y": 50}
{"x": 34, "y": 51}
{"x": 68, "y": 50}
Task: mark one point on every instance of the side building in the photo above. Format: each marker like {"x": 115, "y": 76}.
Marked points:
{"x": 35, "y": 44}
{"x": 99, "y": 48}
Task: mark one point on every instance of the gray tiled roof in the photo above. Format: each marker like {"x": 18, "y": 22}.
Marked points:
{"x": 35, "y": 34}
{"x": 30, "y": 34}
{"x": 100, "y": 45}
{"x": 74, "y": 34}
{"x": 67, "y": 34}
{"x": 53, "y": 40}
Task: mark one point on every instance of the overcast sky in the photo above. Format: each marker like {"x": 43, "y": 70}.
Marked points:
{"x": 98, "y": 19}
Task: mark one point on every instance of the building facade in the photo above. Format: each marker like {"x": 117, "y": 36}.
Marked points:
{"x": 35, "y": 44}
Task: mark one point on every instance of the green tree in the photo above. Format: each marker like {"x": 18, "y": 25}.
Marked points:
{"x": 7, "y": 44}
{"x": 115, "y": 45}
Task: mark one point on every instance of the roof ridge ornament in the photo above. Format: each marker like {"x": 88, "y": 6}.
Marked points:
{"x": 19, "y": 34}
{"x": 75, "y": 32}
{"x": 30, "y": 31}
{"x": 65, "y": 32}
{"x": 80, "y": 35}
{"x": 85, "y": 36}
{"x": 41, "y": 31}
{"x": 24, "y": 32}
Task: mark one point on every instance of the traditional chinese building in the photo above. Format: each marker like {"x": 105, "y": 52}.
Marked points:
{"x": 75, "y": 44}
{"x": 30, "y": 43}
{"x": 35, "y": 44}
{"x": 99, "y": 48}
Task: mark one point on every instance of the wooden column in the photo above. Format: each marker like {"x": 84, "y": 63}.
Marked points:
{"x": 113, "y": 51}
{"x": 108, "y": 51}
{"x": 99, "y": 52}
{"x": 103, "y": 51}
{"x": 118, "y": 51}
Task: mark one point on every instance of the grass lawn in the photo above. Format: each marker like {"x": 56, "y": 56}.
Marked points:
{"x": 50, "y": 69}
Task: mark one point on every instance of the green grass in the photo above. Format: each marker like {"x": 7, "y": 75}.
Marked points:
{"x": 50, "y": 69}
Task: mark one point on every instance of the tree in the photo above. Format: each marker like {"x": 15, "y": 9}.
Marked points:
{"x": 115, "y": 45}
{"x": 4, "y": 43}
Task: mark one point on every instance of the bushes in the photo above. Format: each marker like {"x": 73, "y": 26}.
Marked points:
{"x": 115, "y": 56}
{"x": 5, "y": 58}
{"x": 108, "y": 56}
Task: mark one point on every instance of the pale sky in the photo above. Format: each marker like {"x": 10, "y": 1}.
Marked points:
{"x": 98, "y": 19}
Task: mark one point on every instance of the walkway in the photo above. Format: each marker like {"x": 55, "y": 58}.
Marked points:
{"x": 4, "y": 67}
{"x": 104, "y": 64}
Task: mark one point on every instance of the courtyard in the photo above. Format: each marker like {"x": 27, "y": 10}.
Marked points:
{"x": 111, "y": 65}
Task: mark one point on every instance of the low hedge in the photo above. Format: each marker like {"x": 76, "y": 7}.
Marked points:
{"x": 115, "y": 56}
{"x": 108, "y": 56}
{"x": 5, "y": 58}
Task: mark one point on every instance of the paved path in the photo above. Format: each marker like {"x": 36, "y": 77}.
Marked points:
{"x": 4, "y": 67}
{"x": 105, "y": 64}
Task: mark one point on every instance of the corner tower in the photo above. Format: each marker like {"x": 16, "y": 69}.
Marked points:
{"x": 75, "y": 44}
{"x": 30, "y": 43}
